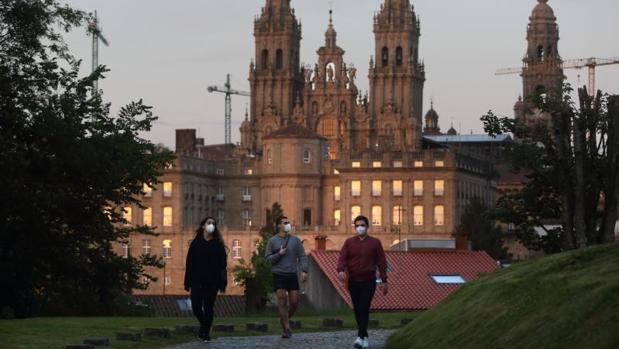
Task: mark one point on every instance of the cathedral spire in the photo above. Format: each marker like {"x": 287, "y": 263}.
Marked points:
{"x": 331, "y": 34}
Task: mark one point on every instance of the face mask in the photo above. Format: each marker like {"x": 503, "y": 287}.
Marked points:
{"x": 210, "y": 228}
{"x": 287, "y": 228}
{"x": 361, "y": 230}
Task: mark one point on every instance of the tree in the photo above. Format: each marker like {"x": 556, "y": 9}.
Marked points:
{"x": 256, "y": 277}
{"x": 572, "y": 164}
{"x": 68, "y": 168}
{"x": 483, "y": 232}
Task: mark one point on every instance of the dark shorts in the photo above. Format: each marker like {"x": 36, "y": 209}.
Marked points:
{"x": 288, "y": 282}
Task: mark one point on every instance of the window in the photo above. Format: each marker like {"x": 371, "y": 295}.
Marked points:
{"x": 397, "y": 187}
{"x": 356, "y": 164}
{"x": 127, "y": 214}
{"x": 418, "y": 163}
{"x": 377, "y": 215}
{"x": 269, "y": 157}
{"x": 337, "y": 193}
{"x": 236, "y": 249}
{"x": 377, "y": 164}
{"x": 307, "y": 217}
{"x": 355, "y": 188}
{"x": 126, "y": 251}
{"x": 448, "y": 279}
{"x": 397, "y": 164}
{"x": 336, "y": 172}
{"x": 376, "y": 188}
{"x": 307, "y": 156}
{"x": 439, "y": 187}
{"x": 249, "y": 171}
{"x": 279, "y": 59}
{"x": 167, "y": 189}
{"x": 167, "y": 216}
{"x": 397, "y": 215}
{"x": 337, "y": 217}
{"x": 246, "y": 218}
{"x": 167, "y": 280}
{"x": 385, "y": 56}
{"x": 220, "y": 172}
{"x": 439, "y": 163}
{"x": 355, "y": 212}
{"x": 147, "y": 216}
{"x": 398, "y": 55}
{"x": 265, "y": 59}
{"x": 439, "y": 215}
{"x": 145, "y": 247}
{"x": 418, "y": 188}
{"x": 148, "y": 191}
{"x": 418, "y": 215}
{"x": 167, "y": 248}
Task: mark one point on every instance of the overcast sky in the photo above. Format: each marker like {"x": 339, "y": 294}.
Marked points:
{"x": 168, "y": 52}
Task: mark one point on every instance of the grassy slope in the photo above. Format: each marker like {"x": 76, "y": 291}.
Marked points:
{"x": 569, "y": 300}
{"x": 55, "y": 333}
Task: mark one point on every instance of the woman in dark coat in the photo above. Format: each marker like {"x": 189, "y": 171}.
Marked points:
{"x": 205, "y": 273}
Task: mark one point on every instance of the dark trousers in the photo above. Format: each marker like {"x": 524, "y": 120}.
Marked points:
{"x": 202, "y": 304}
{"x": 361, "y": 293}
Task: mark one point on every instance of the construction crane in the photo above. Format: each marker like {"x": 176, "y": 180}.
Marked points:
{"x": 228, "y": 91}
{"x": 580, "y": 63}
{"x": 97, "y": 35}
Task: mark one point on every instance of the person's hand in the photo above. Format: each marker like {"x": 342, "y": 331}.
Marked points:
{"x": 282, "y": 251}
{"x": 303, "y": 276}
{"x": 342, "y": 275}
{"x": 385, "y": 288}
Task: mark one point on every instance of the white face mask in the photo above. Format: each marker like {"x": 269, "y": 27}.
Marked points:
{"x": 210, "y": 228}
{"x": 287, "y": 228}
{"x": 361, "y": 230}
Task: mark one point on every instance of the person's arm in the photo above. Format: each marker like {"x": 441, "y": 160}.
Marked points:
{"x": 271, "y": 257}
{"x": 302, "y": 257}
{"x": 223, "y": 261}
{"x": 381, "y": 261}
{"x": 342, "y": 262}
{"x": 188, "y": 267}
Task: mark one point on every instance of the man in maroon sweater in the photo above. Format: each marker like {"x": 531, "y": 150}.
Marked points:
{"x": 361, "y": 255}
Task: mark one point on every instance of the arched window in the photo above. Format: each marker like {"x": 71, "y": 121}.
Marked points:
{"x": 236, "y": 249}
{"x": 314, "y": 108}
{"x": 343, "y": 108}
{"x": 279, "y": 59}
{"x": 385, "y": 56}
{"x": 269, "y": 157}
{"x": 307, "y": 217}
{"x": 307, "y": 156}
{"x": 540, "y": 53}
{"x": 355, "y": 211}
{"x": 377, "y": 215}
{"x": 265, "y": 59}
{"x": 398, "y": 56}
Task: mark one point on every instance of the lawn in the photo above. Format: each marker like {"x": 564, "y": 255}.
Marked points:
{"x": 55, "y": 333}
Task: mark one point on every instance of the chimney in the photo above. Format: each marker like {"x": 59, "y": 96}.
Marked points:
{"x": 185, "y": 141}
{"x": 462, "y": 241}
{"x": 321, "y": 243}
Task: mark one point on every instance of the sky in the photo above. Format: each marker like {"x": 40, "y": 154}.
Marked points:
{"x": 168, "y": 52}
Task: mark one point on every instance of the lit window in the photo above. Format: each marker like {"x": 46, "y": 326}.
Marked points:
{"x": 249, "y": 171}
{"x": 376, "y": 188}
{"x": 397, "y": 164}
{"x": 439, "y": 187}
{"x": 167, "y": 189}
{"x": 335, "y": 171}
{"x": 126, "y": 251}
{"x": 377, "y": 215}
{"x": 439, "y": 215}
{"x": 167, "y": 216}
{"x": 418, "y": 188}
{"x": 377, "y": 164}
{"x": 147, "y": 215}
{"x": 418, "y": 163}
{"x": 246, "y": 218}
{"x": 448, "y": 279}
{"x": 269, "y": 157}
{"x": 397, "y": 215}
{"x": 145, "y": 247}
{"x": 337, "y": 193}
{"x": 356, "y": 164}
{"x": 236, "y": 249}
{"x": 439, "y": 163}
{"x": 337, "y": 217}
{"x": 397, "y": 187}
{"x": 127, "y": 214}
{"x": 167, "y": 248}
{"x": 355, "y": 212}
{"x": 148, "y": 191}
{"x": 418, "y": 215}
{"x": 355, "y": 188}
{"x": 307, "y": 156}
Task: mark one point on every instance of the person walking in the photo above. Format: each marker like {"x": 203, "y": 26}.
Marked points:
{"x": 286, "y": 254}
{"x": 359, "y": 258}
{"x": 205, "y": 273}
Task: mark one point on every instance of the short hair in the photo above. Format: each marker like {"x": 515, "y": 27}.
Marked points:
{"x": 362, "y": 218}
{"x": 280, "y": 219}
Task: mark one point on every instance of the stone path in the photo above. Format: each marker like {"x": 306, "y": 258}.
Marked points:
{"x": 322, "y": 340}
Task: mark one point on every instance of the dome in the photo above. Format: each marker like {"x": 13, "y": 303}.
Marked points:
{"x": 432, "y": 114}
{"x": 543, "y": 11}
{"x": 452, "y": 131}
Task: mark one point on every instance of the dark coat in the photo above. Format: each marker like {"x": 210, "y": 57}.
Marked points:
{"x": 206, "y": 264}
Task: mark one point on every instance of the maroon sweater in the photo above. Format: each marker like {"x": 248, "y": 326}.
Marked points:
{"x": 361, "y": 257}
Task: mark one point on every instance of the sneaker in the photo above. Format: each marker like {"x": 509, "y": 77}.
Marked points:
{"x": 287, "y": 334}
{"x": 358, "y": 344}
{"x": 206, "y": 339}
{"x": 365, "y": 344}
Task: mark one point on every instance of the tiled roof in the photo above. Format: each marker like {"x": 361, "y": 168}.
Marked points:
{"x": 178, "y": 306}
{"x": 410, "y": 284}
{"x": 294, "y": 130}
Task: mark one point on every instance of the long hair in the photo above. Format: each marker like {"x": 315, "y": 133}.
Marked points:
{"x": 216, "y": 234}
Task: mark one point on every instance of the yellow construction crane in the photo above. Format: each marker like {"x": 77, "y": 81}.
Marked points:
{"x": 580, "y": 63}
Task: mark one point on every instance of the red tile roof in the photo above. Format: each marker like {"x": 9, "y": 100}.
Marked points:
{"x": 294, "y": 130}
{"x": 410, "y": 284}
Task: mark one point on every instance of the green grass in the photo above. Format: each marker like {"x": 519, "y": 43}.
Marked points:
{"x": 570, "y": 300}
{"x": 55, "y": 333}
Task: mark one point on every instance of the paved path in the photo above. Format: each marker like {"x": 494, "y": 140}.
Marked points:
{"x": 322, "y": 340}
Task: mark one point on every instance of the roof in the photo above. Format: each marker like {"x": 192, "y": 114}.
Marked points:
{"x": 294, "y": 130}
{"x": 216, "y": 152}
{"x": 410, "y": 284}
{"x": 470, "y": 138}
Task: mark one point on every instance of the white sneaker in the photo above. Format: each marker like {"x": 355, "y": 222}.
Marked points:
{"x": 365, "y": 344}
{"x": 358, "y": 344}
